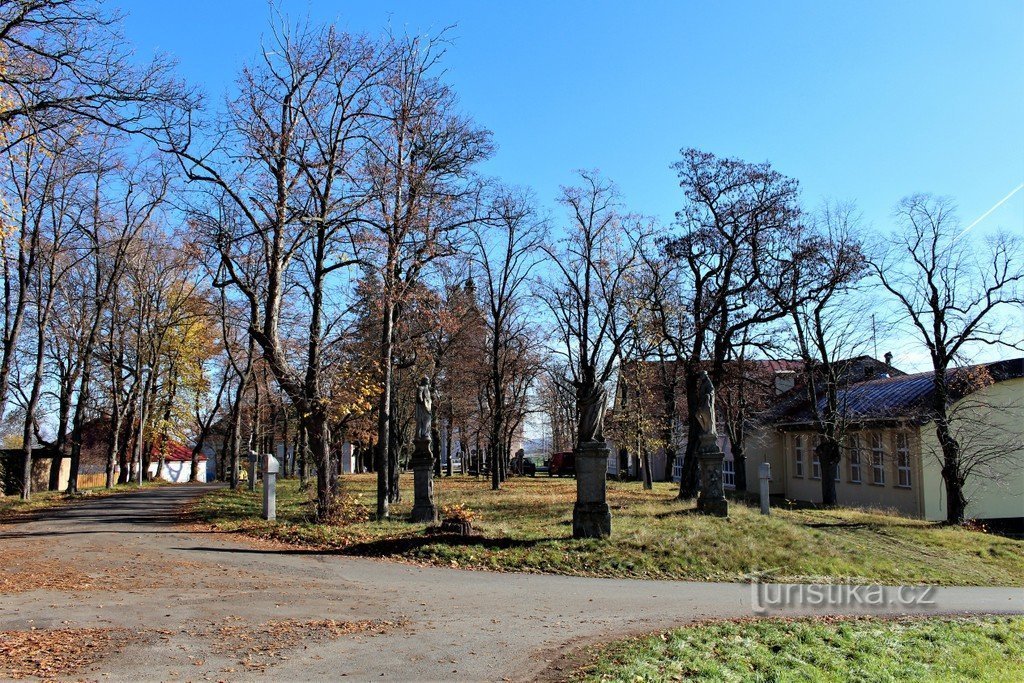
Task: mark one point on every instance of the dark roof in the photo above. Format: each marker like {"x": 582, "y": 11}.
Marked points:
{"x": 906, "y": 397}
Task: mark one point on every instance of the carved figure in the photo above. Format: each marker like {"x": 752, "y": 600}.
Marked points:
{"x": 423, "y": 409}
{"x": 592, "y": 408}
{"x": 706, "y": 405}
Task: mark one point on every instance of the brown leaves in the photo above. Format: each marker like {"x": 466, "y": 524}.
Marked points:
{"x": 49, "y": 654}
{"x": 259, "y": 647}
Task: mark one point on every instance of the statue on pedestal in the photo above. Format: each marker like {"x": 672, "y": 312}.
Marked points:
{"x": 423, "y": 509}
{"x": 705, "y": 412}
{"x": 592, "y": 406}
{"x": 591, "y": 516}
{"x": 423, "y": 410}
{"x": 711, "y": 498}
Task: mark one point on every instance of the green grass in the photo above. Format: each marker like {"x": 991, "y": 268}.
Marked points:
{"x": 13, "y": 508}
{"x": 527, "y": 527}
{"x": 933, "y": 649}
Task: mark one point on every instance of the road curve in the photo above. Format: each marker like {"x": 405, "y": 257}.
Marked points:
{"x": 143, "y": 572}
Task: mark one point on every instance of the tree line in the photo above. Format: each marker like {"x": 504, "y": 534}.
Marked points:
{"x": 283, "y": 266}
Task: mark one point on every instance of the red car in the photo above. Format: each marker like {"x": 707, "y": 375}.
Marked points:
{"x": 562, "y": 464}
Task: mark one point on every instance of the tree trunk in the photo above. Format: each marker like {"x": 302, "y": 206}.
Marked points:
{"x": 302, "y": 460}
{"x": 689, "y": 481}
{"x": 739, "y": 459}
{"x": 394, "y": 494}
{"x": 829, "y": 453}
{"x": 384, "y": 426}
{"x": 319, "y": 447}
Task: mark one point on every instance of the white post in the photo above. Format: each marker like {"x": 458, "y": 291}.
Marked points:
{"x": 270, "y": 469}
{"x": 764, "y": 474}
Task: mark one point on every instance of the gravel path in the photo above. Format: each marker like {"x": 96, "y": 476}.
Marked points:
{"x": 213, "y": 607}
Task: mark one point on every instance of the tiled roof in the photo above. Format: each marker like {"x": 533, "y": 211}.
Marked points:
{"x": 887, "y": 398}
{"x": 176, "y": 452}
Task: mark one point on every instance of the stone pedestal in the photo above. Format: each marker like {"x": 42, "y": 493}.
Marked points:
{"x": 711, "y": 499}
{"x": 423, "y": 508}
{"x": 764, "y": 476}
{"x": 591, "y": 516}
{"x": 271, "y": 467}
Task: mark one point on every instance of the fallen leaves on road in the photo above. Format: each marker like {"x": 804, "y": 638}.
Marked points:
{"x": 261, "y": 646}
{"x": 22, "y": 569}
{"x": 53, "y": 653}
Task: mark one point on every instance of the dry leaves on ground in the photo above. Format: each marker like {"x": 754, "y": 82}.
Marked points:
{"x": 258, "y": 647}
{"x": 48, "y": 654}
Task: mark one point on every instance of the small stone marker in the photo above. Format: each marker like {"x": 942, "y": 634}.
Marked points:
{"x": 270, "y": 469}
{"x": 764, "y": 474}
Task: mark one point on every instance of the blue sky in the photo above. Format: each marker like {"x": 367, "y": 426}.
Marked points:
{"x": 865, "y": 101}
{"x": 862, "y": 101}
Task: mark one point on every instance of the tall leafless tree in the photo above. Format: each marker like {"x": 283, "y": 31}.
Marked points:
{"x": 956, "y": 294}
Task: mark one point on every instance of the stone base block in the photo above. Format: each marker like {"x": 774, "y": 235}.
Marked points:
{"x": 591, "y": 520}
{"x": 719, "y": 507}
{"x": 423, "y": 512}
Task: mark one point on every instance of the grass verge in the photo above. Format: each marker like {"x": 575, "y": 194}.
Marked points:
{"x": 932, "y": 649}
{"x": 527, "y": 526}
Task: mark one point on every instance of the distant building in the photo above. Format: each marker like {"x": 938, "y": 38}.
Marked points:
{"x": 891, "y": 457}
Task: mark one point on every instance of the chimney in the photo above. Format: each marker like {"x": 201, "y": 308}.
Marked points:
{"x": 888, "y": 358}
{"x": 784, "y": 381}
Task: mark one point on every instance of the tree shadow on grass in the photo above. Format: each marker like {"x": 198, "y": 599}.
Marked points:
{"x": 685, "y": 512}
{"x": 401, "y": 545}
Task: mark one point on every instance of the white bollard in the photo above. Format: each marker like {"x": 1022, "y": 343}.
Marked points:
{"x": 270, "y": 469}
{"x": 764, "y": 474}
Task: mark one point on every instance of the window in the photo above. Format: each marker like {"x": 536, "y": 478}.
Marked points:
{"x": 815, "y": 464}
{"x": 798, "y": 455}
{"x": 729, "y": 473}
{"x": 877, "y": 459}
{"x": 853, "y": 445}
{"x": 902, "y": 460}
{"x": 677, "y": 468}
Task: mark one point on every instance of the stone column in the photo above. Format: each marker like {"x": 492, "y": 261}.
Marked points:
{"x": 764, "y": 475}
{"x": 591, "y": 516}
{"x": 271, "y": 466}
{"x": 423, "y": 508}
{"x": 711, "y": 499}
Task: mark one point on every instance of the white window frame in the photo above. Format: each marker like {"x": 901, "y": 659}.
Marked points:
{"x": 815, "y": 464}
{"x": 853, "y": 444}
{"x": 729, "y": 473}
{"x": 798, "y": 455}
{"x": 878, "y": 459}
{"x": 903, "y": 460}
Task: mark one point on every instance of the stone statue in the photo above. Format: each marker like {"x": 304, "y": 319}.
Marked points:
{"x": 592, "y": 408}
{"x": 706, "y": 405}
{"x": 423, "y": 408}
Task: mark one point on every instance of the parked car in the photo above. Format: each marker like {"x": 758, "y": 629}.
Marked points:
{"x": 562, "y": 465}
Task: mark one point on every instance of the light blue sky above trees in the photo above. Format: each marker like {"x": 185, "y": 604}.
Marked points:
{"x": 860, "y": 101}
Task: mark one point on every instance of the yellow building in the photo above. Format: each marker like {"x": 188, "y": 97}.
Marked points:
{"x": 891, "y": 457}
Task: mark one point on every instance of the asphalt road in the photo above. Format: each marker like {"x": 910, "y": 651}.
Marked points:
{"x": 135, "y": 567}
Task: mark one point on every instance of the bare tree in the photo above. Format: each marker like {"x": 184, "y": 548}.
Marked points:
{"x": 424, "y": 193}
{"x": 284, "y": 197}
{"x": 737, "y": 226}
{"x": 596, "y": 281}
{"x": 822, "y": 294}
{"x": 955, "y": 294}
{"x": 506, "y": 248}
{"x": 66, "y": 63}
